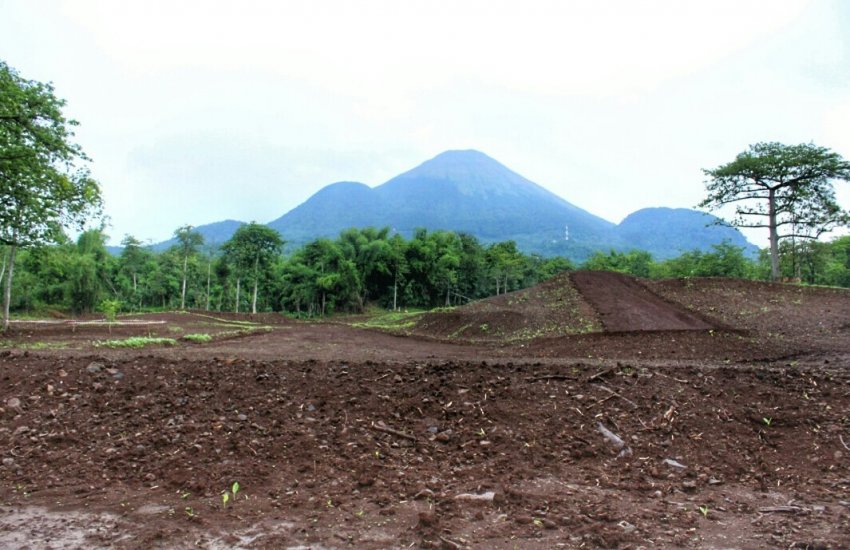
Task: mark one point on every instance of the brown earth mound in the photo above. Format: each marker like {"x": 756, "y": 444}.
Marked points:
{"x": 552, "y": 308}
{"x": 625, "y": 305}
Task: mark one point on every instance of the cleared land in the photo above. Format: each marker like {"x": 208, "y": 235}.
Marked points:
{"x": 594, "y": 410}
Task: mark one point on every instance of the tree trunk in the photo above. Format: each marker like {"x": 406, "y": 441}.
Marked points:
{"x": 209, "y": 274}
{"x": 7, "y": 294}
{"x": 774, "y": 236}
{"x": 183, "y": 292}
{"x": 237, "y": 294}
{"x": 395, "y": 292}
{"x": 256, "y": 283}
{"x": 448, "y": 294}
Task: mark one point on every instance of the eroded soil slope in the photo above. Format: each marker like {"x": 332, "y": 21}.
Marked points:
{"x": 625, "y": 305}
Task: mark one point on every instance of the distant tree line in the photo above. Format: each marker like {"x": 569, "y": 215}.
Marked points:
{"x": 360, "y": 268}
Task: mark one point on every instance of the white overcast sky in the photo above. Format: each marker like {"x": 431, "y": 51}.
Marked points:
{"x": 199, "y": 111}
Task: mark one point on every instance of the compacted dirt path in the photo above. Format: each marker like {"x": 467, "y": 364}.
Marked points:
{"x": 625, "y": 305}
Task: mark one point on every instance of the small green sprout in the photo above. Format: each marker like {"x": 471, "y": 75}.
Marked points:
{"x": 481, "y": 433}
{"x": 704, "y": 510}
{"x": 190, "y": 512}
{"x": 225, "y": 497}
{"x": 537, "y": 522}
{"x": 360, "y": 514}
{"x": 234, "y": 489}
{"x": 767, "y": 421}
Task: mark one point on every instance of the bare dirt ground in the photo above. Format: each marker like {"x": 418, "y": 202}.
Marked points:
{"x": 571, "y": 415}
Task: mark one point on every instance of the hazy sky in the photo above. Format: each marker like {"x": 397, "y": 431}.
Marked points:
{"x": 199, "y": 111}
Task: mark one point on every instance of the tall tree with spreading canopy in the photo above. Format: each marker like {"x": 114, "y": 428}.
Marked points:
{"x": 44, "y": 185}
{"x": 787, "y": 189}
{"x": 251, "y": 250}
{"x": 188, "y": 242}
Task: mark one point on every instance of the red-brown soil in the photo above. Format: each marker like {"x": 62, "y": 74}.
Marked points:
{"x": 340, "y": 437}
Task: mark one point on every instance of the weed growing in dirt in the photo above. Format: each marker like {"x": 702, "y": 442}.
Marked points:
{"x": 767, "y": 421}
{"x": 226, "y": 495}
{"x": 199, "y": 338}
{"x": 704, "y": 511}
{"x": 134, "y": 342}
{"x": 110, "y": 309}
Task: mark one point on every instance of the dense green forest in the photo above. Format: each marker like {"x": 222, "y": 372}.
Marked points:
{"x": 360, "y": 268}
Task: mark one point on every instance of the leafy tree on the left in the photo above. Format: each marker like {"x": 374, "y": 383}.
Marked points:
{"x": 44, "y": 183}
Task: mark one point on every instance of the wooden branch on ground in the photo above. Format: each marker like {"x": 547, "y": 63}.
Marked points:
{"x": 600, "y": 374}
{"x": 784, "y": 510}
{"x": 842, "y": 442}
{"x": 381, "y": 427}
{"x": 550, "y": 377}
{"x": 617, "y": 394}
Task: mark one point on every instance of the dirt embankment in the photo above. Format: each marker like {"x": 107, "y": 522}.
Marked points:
{"x": 625, "y": 305}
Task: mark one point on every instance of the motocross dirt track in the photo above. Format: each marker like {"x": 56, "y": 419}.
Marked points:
{"x": 592, "y": 411}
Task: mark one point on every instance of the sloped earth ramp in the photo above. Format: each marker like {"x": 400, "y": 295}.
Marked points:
{"x": 625, "y": 305}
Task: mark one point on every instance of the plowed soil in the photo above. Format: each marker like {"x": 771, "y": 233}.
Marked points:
{"x": 592, "y": 412}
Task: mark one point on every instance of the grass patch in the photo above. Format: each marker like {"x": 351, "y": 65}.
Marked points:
{"x": 394, "y": 320}
{"x": 199, "y": 338}
{"x": 134, "y": 342}
{"x": 33, "y": 345}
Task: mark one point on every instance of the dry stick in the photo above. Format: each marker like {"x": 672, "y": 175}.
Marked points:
{"x": 603, "y": 400}
{"x": 388, "y": 430}
{"x": 550, "y": 377}
{"x": 600, "y": 374}
{"x": 783, "y": 510}
{"x": 616, "y": 394}
{"x": 842, "y": 442}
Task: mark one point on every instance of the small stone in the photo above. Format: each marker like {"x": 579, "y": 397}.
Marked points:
{"x": 524, "y": 519}
{"x": 626, "y": 527}
{"x": 674, "y": 464}
{"x": 94, "y": 367}
{"x": 13, "y": 403}
{"x": 689, "y": 485}
{"x": 241, "y": 417}
{"x": 444, "y": 437}
{"x": 549, "y": 524}
{"x": 8, "y": 462}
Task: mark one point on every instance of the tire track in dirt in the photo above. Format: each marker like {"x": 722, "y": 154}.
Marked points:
{"x": 625, "y": 305}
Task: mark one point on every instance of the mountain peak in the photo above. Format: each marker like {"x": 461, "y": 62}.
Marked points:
{"x": 469, "y": 172}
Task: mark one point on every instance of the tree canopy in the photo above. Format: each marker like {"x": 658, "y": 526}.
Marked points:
{"x": 787, "y": 189}
{"x": 44, "y": 183}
